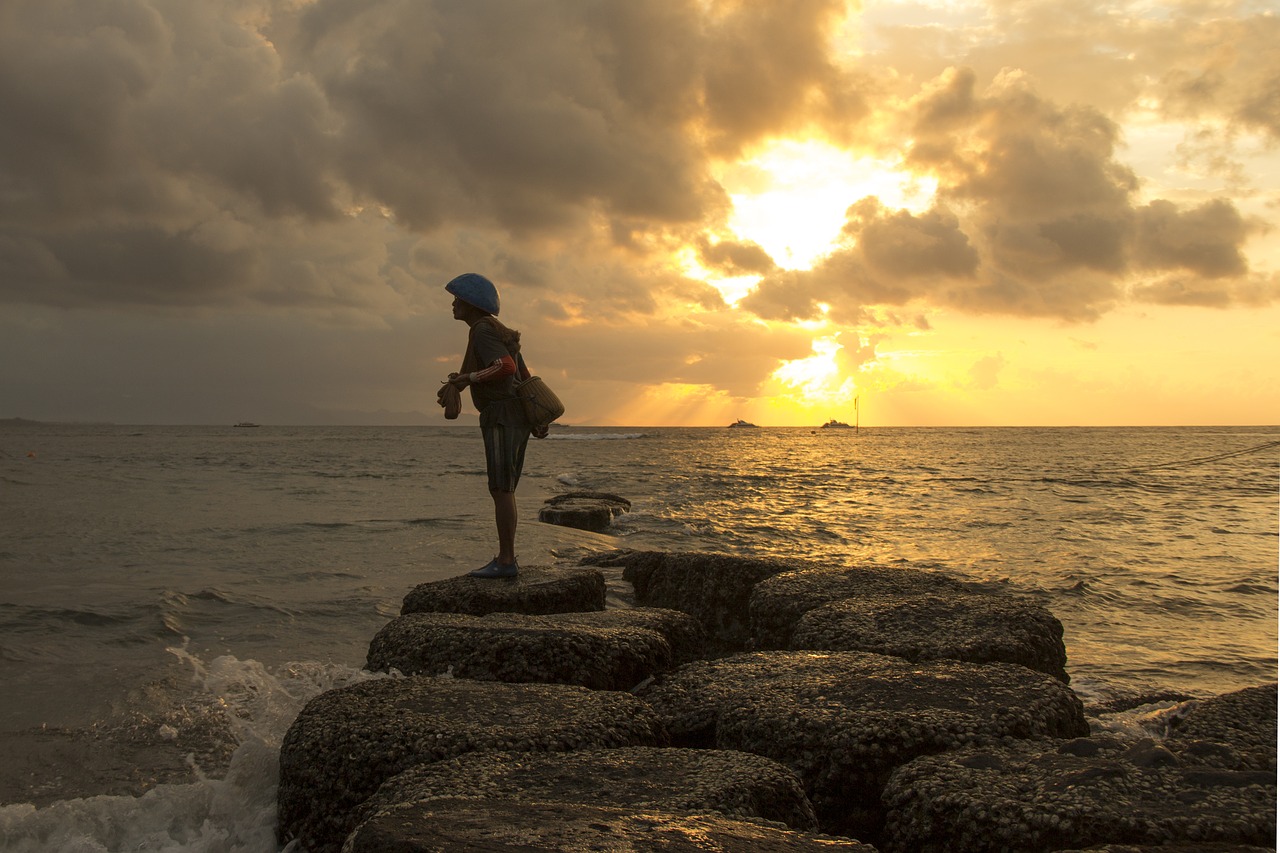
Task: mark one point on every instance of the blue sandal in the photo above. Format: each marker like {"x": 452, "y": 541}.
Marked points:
{"x": 494, "y": 569}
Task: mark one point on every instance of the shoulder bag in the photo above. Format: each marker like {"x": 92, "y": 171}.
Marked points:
{"x": 541, "y": 405}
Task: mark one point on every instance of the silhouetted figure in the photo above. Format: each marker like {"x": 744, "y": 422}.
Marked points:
{"x": 491, "y": 367}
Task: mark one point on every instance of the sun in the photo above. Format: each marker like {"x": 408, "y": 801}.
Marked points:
{"x": 791, "y": 196}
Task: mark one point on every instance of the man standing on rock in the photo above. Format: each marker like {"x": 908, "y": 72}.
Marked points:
{"x": 490, "y": 367}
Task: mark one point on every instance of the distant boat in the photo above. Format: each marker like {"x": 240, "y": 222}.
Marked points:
{"x": 835, "y": 424}
{"x": 740, "y": 423}
{"x": 247, "y": 424}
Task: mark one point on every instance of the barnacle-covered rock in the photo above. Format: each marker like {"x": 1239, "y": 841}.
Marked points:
{"x": 346, "y": 742}
{"x": 604, "y": 650}
{"x": 777, "y": 604}
{"x": 1038, "y": 796}
{"x": 593, "y": 511}
{"x": 536, "y": 590}
{"x": 1244, "y": 722}
{"x": 735, "y": 784}
{"x": 517, "y": 826}
{"x": 1188, "y": 847}
{"x": 973, "y": 627}
{"x": 845, "y": 720}
{"x": 714, "y": 588}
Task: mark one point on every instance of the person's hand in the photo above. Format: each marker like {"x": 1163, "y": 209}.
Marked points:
{"x": 541, "y": 432}
{"x": 459, "y": 379}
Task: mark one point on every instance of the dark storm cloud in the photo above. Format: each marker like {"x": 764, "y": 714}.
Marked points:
{"x": 220, "y": 129}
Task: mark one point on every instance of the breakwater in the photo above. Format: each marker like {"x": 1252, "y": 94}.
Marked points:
{"x": 506, "y": 710}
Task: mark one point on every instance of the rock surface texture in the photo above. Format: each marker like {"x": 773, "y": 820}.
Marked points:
{"x": 348, "y": 741}
{"x": 536, "y": 590}
{"x": 734, "y": 784}
{"x": 605, "y": 650}
{"x": 845, "y": 720}
{"x": 748, "y": 705}
{"x": 971, "y": 627}
{"x": 778, "y": 604}
{"x": 714, "y": 588}
{"x": 1046, "y": 796}
{"x": 516, "y": 826}
{"x": 1244, "y": 722}
{"x": 593, "y": 511}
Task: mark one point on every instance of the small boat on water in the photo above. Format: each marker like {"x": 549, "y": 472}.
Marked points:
{"x": 247, "y": 424}
{"x": 835, "y": 424}
{"x": 739, "y": 423}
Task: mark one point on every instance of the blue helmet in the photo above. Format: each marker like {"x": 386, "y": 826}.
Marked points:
{"x": 475, "y": 289}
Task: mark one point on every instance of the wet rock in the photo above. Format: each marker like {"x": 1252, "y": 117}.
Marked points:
{"x": 604, "y": 650}
{"x": 498, "y": 825}
{"x": 536, "y": 590}
{"x": 593, "y": 511}
{"x": 346, "y": 742}
{"x": 845, "y": 720}
{"x": 1192, "y": 847}
{"x": 1041, "y": 798}
{"x": 714, "y": 588}
{"x": 778, "y": 604}
{"x": 978, "y": 628}
{"x": 735, "y": 784}
{"x": 1244, "y": 722}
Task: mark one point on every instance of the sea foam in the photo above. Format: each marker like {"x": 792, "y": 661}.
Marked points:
{"x": 233, "y": 814}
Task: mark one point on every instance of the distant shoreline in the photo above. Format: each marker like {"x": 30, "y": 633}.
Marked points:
{"x": 19, "y": 421}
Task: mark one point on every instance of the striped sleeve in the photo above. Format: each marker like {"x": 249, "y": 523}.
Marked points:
{"x": 499, "y": 369}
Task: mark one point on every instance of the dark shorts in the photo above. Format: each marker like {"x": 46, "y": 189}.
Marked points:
{"x": 506, "y": 435}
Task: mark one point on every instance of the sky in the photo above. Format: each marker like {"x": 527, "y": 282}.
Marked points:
{"x": 894, "y": 212}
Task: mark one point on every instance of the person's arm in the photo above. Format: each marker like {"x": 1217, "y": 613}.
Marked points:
{"x": 492, "y": 353}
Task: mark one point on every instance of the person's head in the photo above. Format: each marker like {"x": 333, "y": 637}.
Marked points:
{"x": 474, "y": 296}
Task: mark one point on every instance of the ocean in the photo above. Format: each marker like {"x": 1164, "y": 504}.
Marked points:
{"x": 188, "y": 588}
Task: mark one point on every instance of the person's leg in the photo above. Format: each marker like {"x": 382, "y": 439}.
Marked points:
{"x": 504, "y": 458}
{"x": 505, "y": 515}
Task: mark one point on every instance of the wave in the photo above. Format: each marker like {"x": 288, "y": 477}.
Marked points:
{"x": 208, "y": 815}
{"x": 595, "y": 436}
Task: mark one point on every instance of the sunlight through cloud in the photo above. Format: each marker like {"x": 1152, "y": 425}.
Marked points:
{"x": 791, "y": 197}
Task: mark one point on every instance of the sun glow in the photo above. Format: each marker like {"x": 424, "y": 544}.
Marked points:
{"x": 817, "y": 381}
{"x": 791, "y": 197}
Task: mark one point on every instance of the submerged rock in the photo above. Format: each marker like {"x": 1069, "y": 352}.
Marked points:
{"x": 500, "y": 825}
{"x": 845, "y": 720}
{"x": 592, "y": 511}
{"x": 346, "y": 742}
{"x": 536, "y": 590}
{"x": 971, "y": 627}
{"x": 735, "y": 784}
{"x": 1041, "y": 797}
{"x": 778, "y": 604}
{"x": 605, "y": 650}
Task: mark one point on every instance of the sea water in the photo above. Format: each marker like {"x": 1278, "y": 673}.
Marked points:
{"x": 251, "y": 566}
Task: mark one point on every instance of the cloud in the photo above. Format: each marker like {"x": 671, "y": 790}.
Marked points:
{"x": 1223, "y": 68}
{"x": 901, "y": 244}
{"x": 985, "y": 372}
{"x": 217, "y": 167}
{"x": 1035, "y": 216}
{"x": 175, "y": 149}
{"x": 735, "y": 257}
{"x": 1205, "y": 240}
